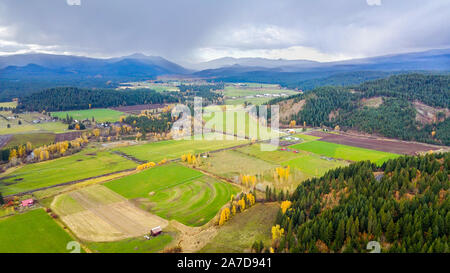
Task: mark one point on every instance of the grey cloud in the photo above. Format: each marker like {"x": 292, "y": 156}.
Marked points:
{"x": 177, "y": 29}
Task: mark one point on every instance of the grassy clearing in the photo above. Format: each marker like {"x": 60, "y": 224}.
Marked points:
{"x": 152, "y": 180}
{"x": 100, "y": 115}
{"x": 306, "y": 137}
{"x": 27, "y": 125}
{"x": 32, "y": 232}
{"x": 176, "y": 192}
{"x": 344, "y": 152}
{"x": 193, "y": 203}
{"x": 234, "y": 91}
{"x": 241, "y": 101}
{"x": 132, "y": 245}
{"x": 238, "y": 234}
{"x": 172, "y": 149}
{"x": 11, "y": 104}
{"x": 238, "y": 122}
{"x": 79, "y": 166}
{"x": 276, "y": 156}
{"x": 231, "y": 164}
{"x": 36, "y": 139}
{"x": 313, "y": 164}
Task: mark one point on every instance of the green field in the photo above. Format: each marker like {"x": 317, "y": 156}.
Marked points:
{"x": 32, "y": 232}
{"x": 344, "y": 152}
{"x": 275, "y": 157}
{"x": 240, "y": 123}
{"x": 236, "y": 91}
{"x": 36, "y": 139}
{"x": 100, "y": 115}
{"x": 254, "y": 101}
{"x": 27, "y": 125}
{"x": 79, "y": 166}
{"x": 231, "y": 164}
{"x": 171, "y": 149}
{"x": 238, "y": 234}
{"x": 132, "y": 245}
{"x": 176, "y": 192}
{"x": 11, "y": 104}
{"x": 313, "y": 164}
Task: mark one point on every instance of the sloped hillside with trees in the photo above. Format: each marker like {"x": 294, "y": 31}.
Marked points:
{"x": 406, "y": 208}
{"x": 395, "y": 117}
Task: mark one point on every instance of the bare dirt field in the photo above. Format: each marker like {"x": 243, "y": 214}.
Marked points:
{"x": 375, "y": 143}
{"x": 4, "y": 139}
{"x": 106, "y": 216}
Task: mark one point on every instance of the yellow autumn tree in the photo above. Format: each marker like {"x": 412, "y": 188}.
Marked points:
{"x": 277, "y": 232}
{"x": 285, "y": 205}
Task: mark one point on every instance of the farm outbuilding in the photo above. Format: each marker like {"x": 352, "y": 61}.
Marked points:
{"x": 27, "y": 202}
{"x": 156, "y": 231}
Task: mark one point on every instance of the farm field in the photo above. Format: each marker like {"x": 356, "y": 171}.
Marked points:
{"x": 96, "y": 213}
{"x": 176, "y": 192}
{"x": 313, "y": 164}
{"x": 243, "y": 125}
{"x": 75, "y": 167}
{"x": 254, "y": 100}
{"x": 32, "y": 232}
{"x": 100, "y": 115}
{"x": 27, "y": 125}
{"x": 231, "y": 164}
{"x": 10, "y": 104}
{"x": 242, "y": 91}
{"x": 36, "y": 139}
{"x": 239, "y": 233}
{"x": 171, "y": 149}
{"x": 275, "y": 156}
{"x": 132, "y": 245}
{"x": 344, "y": 152}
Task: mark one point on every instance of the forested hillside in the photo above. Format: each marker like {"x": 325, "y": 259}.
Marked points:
{"x": 406, "y": 210}
{"x": 395, "y": 116}
{"x": 70, "y": 98}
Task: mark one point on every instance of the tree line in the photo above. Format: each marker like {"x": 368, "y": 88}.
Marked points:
{"x": 72, "y": 98}
{"x": 406, "y": 208}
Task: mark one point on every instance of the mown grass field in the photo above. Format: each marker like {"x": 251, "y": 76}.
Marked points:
{"x": 236, "y": 91}
{"x": 240, "y": 123}
{"x": 176, "y": 192}
{"x": 231, "y": 164}
{"x": 172, "y": 149}
{"x": 313, "y": 164}
{"x": 10, "y": 104}
{"x": 132, "y": 245}
{"x": 32, "y": 232}
{"x": 27, "y": 125}
{"x": 100, "y": 115}
{"x": 239, "y": 233}
{"x": 344, "y": 152}
{"x": 79, "y": 166}
{"x": 241, "y": 101}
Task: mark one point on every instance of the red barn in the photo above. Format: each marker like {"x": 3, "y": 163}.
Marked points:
{"x": 27, "y": 202}
{"x": 156, "y": 231}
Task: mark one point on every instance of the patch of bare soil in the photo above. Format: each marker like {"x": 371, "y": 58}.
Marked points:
{"x": 376, "y": 143}
{"x": 373, "y": 102}
{"x": 428, "y": 115}
{"x": 192, "y": 239}
{"x": 288, "y": 108}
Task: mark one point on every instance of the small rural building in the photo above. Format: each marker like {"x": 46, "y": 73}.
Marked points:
{"x": 156, "y": 231}
{"x": 27, "y": 202}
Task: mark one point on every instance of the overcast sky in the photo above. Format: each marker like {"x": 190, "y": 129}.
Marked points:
{"x": 199, "y": 30}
